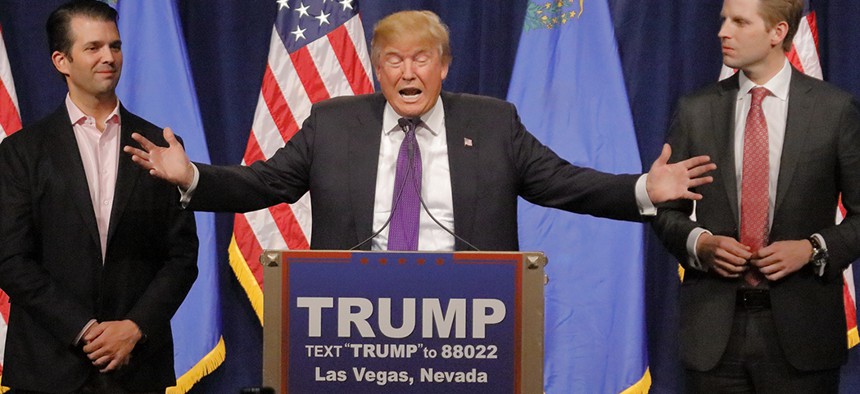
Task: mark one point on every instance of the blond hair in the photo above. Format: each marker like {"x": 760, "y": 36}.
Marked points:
{"x": 421, "y": 25}
{"x": 789, "y": 11}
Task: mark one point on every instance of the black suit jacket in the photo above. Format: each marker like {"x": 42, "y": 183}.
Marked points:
{"x": 335, "y": 157}
{"x": 51, "y": 264}
{"x": 820, "y": 159}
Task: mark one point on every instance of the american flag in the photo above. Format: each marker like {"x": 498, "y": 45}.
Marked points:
{"x": 804, "y": 57}
{"x": 10, "y": 122}
{"x": 317, "y": 51}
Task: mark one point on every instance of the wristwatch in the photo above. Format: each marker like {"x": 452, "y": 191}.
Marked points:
{"x": 819, "y": 256}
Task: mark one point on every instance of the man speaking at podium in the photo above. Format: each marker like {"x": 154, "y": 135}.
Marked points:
{"x": 398, "y": 170}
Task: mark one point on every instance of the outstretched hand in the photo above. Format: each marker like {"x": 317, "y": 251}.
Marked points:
{"x": 668, "y": 182}
{"x": 170, "y": 163}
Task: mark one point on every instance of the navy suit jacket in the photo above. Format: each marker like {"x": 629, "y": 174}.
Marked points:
{"x": 335, "y": 157}
{"x": 820, "y": 160}
{"x": 51, "y": 262}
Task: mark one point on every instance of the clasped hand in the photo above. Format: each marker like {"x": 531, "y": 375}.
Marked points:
{"x": 729, "y": 258}
{"x": 109, "y": 344}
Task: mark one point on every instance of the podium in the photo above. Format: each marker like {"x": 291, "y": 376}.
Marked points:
{"x": 403, "y": 322}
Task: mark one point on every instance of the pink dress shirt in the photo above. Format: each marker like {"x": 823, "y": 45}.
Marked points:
{"x": 100, "y": 155}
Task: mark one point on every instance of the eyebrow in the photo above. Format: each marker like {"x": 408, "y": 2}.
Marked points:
{"x": 99, "y": 42}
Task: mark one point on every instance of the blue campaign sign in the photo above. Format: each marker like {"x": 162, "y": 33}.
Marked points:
{"x": 400, "y": 322}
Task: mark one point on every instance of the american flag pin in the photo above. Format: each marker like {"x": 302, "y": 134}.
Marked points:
{"x": 467, "y": 142}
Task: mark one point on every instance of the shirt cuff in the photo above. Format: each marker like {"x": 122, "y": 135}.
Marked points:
{"x": 83, "y": 331}
{"x": 693, "y": 239}
{"x": 643, "y": 202}
{"x": 185, "y": 195}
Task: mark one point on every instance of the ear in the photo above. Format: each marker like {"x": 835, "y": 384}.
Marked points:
{"x": 445, "y": 65}
{"x": 778, "y": 33}
{"x": 61, "y": 62}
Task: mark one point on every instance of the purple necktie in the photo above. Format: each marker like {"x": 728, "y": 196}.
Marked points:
{"x": 405, "y": 204}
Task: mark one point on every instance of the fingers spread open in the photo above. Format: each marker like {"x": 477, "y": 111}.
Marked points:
{"x": 146, "y": 144}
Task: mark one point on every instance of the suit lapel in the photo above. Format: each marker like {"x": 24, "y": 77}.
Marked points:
{"x": 127, "y": 175}
{"x": 463, "y": 164}
{"x": 70, "y": 168}
{"x": 800, "y": 104}
{"x": 364, "y": 142}
{"x": 723, "y": 113}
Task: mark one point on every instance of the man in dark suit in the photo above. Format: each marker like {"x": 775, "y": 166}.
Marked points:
{"x": 761, "y": 302}
{"x": 474, "y": 155}
{"x": 95, "y": 255}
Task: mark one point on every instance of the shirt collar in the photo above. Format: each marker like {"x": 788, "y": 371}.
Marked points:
{"x": 433, "y": 120}
{"x": 778, "y": 85}
{"x": 76, "y": 116}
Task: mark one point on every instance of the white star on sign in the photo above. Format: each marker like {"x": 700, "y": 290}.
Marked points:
{"x": 299, "y": 33}
{"x": 302, "y": 10}
{"x": 323, "y": 18}
{"x": 283, "y": 4}
{"x": 346, "y": 4}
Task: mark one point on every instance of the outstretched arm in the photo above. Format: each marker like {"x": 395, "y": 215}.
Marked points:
{"x": 667, "y": 182}
{"x": 169, "y": 163}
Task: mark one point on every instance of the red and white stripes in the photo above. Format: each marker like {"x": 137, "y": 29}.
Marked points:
{"x": 10, "y": 122}
{"x": 334, "y": 65}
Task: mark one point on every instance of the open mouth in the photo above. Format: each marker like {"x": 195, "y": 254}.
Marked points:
{"x": 410, "y": 94}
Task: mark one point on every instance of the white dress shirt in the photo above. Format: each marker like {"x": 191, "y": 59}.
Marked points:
{"x": 775, "y": 107}
{"x": 436, "y": 171}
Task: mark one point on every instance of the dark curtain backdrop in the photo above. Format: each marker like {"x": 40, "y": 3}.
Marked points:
{"x": 668, "y": 48}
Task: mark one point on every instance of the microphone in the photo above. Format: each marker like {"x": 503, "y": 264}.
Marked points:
{"x": 404, "y": 125}
{"x": 438, "y": 223}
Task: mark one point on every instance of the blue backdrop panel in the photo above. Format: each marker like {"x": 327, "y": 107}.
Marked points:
{"x": 667, "y": 49}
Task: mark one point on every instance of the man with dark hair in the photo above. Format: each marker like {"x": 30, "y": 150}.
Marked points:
{"x": 761, "y": 303}
{"x": 59, "y": 27}
{"x": 95, "y": 256}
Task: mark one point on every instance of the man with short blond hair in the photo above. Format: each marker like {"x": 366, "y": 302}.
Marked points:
{"x": 372, "y": 162}
{"x": 423, "y": 24}
{"x": 761, "y": 303}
